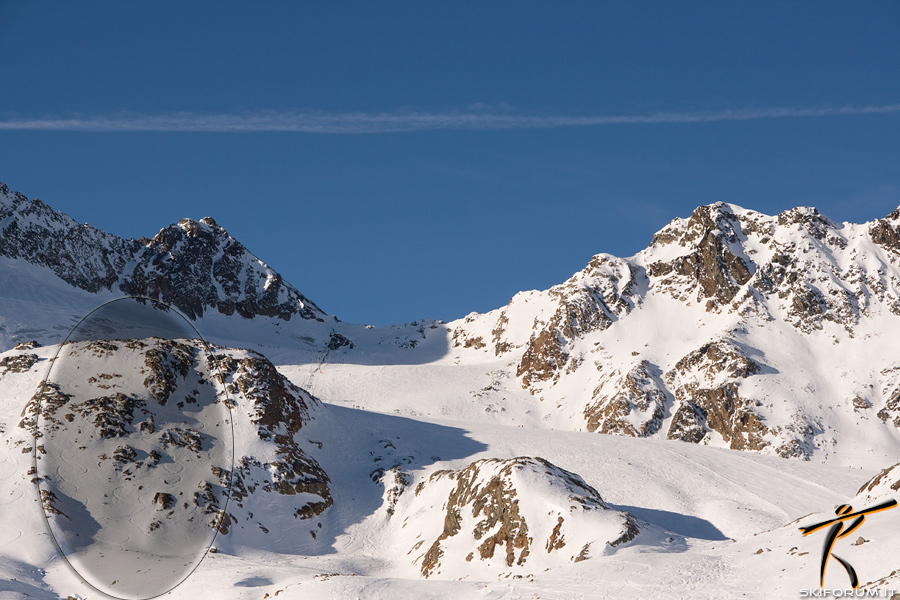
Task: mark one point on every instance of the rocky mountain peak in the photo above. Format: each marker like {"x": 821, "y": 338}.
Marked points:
{"x": 81, "y": 255}
{"x": 808, "y": 220}
{"x": 202, "y": 227}
{"x": 205, "y": 231}
{"x": 886, "y": 232}
{"x": 718, "y": 219}
{"x": 707, "y": 335}
{"x": 194, "y": 265}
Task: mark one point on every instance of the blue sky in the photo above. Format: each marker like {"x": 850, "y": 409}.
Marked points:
{"x": 397, "y": 160}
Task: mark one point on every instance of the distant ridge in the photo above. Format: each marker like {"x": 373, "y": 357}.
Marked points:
{"x": 194, "y": 265}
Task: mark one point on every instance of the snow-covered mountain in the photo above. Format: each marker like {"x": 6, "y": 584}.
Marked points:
{"x": 733, "y": 328}
{"x": 458, "y": 459}
{"x": 194, "y": 265}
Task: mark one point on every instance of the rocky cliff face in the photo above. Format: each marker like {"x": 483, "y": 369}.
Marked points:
{"x": 278, "y": 410}
{"x": 630, "y": 404}
{"x": 194, "y": 265}
{"x": 543, "y": 326}
{"x": 719, "y": 332}
{"x": 712, "y": 270}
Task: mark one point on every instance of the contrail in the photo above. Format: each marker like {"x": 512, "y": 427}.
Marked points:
{"x": 368, "y": 123}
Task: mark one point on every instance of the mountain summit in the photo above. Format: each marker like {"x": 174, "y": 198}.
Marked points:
{"x": 195, "y": 266}
{"x": 732, "y": 328}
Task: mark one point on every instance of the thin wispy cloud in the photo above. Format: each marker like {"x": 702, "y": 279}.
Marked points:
{"x": 369, "y": 123}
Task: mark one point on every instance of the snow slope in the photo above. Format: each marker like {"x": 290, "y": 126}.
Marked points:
{"x": 704, "y": 513}
{"x": 465, "y": 459}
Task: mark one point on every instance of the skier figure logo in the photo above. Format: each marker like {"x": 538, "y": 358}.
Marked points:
{"x": 843, "y": 513}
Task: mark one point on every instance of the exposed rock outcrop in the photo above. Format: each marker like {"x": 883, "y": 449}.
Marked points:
{"x": 510, "y": 515}
{"x": 158, "y": 406}
{"x": 278, "y": 409}
{"x": 706, "y": 384}
{"x": 713, "y": 270}
{"x": 589, "y": 301}
{"x": 886, "y": 482}
{"x": 632, "y": 404}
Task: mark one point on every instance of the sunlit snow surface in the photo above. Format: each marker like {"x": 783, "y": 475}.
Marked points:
{"x": 134, "y": 449}
{"x": 720, "y": 507}
{"x": 429, "y": 397}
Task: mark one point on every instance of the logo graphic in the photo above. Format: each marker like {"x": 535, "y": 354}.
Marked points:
{"x": 843, "y": 513}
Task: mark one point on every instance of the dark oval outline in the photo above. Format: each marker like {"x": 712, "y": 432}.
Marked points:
{"x": 37, "y": 481}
